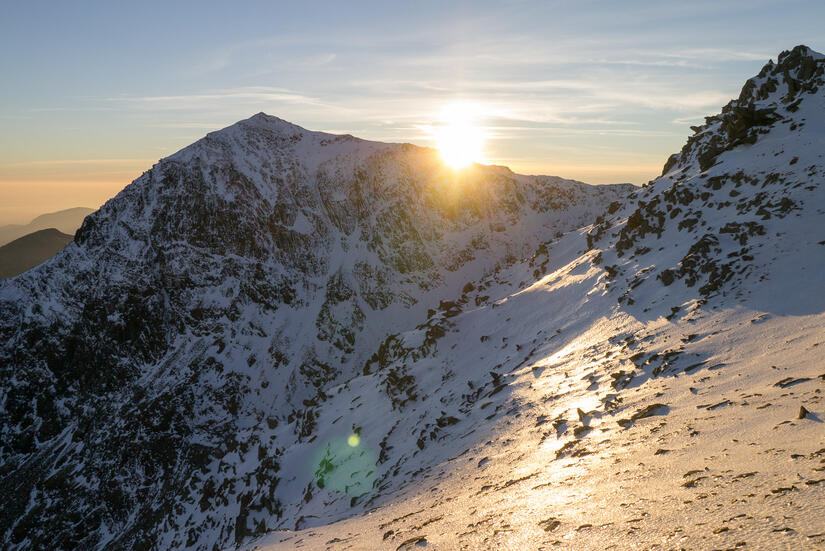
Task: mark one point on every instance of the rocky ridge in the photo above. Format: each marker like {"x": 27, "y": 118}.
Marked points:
{"x": 162, "y": 377}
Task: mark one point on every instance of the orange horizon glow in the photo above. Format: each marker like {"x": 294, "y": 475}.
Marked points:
{"x": 31, "y": 188}
{"x": 22, "y": 201}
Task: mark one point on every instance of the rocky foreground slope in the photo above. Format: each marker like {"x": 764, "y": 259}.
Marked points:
{"x": 166, "y": 380}
{"x": 657, "y": 384}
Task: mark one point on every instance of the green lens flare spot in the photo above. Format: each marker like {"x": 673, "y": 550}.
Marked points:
{"x": 345, "y": 464}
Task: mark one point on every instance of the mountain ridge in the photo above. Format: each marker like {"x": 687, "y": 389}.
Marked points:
{"x": 66, "y": 221}
{"x": 211, "y": 305}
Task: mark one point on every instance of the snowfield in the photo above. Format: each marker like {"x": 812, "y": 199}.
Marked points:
{"x": 282, "y": 339}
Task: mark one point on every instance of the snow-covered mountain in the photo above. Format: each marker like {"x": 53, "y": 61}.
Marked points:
{"x": 282, "y": 339}
{"x": 164, "y": 377}
{"x": 658, "y": 386}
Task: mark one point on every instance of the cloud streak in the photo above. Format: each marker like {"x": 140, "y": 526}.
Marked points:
{"x": 201, "y": 101}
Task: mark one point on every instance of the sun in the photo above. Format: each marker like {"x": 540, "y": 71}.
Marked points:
{"x": 458, "y": 137}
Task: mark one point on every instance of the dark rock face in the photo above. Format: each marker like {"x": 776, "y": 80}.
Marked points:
{"x": 160, "y": 375}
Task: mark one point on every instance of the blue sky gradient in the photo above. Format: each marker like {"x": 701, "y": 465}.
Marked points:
{"x": 93, "y": 93}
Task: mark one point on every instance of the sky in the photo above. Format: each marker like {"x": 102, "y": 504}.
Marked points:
{"x": 93, "y": 93}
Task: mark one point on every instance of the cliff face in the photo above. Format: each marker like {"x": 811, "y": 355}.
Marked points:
{"x": 162, "y": 376}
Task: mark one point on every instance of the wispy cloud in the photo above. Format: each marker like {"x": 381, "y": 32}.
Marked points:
{"x": 200, "y": 101}
{"x": 690, "y": 119}
{"x": 709, "y": 55}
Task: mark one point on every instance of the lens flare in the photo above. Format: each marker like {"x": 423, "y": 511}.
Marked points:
{"x": 345, "y": 465}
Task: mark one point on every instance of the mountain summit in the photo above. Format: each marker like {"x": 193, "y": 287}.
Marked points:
{"x": 315, "y": 340}
{"x": 172, "y": 362}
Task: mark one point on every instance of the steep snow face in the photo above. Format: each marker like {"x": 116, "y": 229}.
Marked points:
{"x": 658, "y": 385}
{"x": 164, "y": 377}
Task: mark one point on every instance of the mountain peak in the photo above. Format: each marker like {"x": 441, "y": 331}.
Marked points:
{"x": 797, "y": 70}
{"x": 270, "y": 125}
{"x": 271, "y": 122}
{"x": 264, "y": 143}
{"x": 262, "y": 123}
{"x": 772, "y": 96}
{"x": 797, "y": 58}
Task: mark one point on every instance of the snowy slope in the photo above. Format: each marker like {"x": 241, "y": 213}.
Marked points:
{"x": 646, "y": 390}
{"x": 166, "y": 379}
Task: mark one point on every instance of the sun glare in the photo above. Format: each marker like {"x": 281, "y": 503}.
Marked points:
{"x": 458, "y": 137}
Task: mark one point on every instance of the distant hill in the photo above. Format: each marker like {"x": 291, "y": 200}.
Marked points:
{"x": 31, "y": 250}
{"x": 65, "y": 221}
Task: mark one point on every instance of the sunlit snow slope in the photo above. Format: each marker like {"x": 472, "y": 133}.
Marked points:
{"x": 652, "y": 381}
